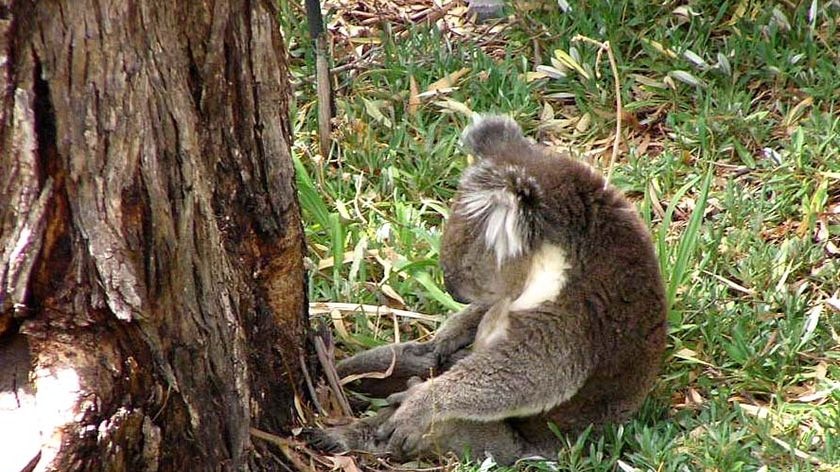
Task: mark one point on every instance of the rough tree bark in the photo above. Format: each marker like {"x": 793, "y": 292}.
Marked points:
{"x": 152, "y": 304}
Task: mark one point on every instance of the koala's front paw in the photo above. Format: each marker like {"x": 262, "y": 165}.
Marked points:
{"x": 449, "y": 342}
{"x": 406, "y": 434}
{"x": 406, "y": 429}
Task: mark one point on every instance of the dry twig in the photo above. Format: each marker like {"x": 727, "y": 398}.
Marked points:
{"x": 605, "y": 46}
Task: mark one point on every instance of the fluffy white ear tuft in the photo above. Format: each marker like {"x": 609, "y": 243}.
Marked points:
{"x": 499, "y": 211}
{"x": 504, "y": 202}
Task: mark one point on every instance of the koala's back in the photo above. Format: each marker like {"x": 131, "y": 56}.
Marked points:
{"x": 613, "y": 294}
{"x": 624, "y": 299}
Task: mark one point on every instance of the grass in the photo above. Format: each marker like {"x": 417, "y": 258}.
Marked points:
{"x": 731, "y": 150}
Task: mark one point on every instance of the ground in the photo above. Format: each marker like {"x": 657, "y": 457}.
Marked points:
{"x": 729, "y": 145}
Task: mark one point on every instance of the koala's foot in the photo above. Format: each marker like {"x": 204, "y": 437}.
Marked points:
{"x": 356, "y": 436}
{"x": 331, "y": 440}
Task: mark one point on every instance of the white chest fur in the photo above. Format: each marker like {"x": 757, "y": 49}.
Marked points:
{"x": 546, "y": 278}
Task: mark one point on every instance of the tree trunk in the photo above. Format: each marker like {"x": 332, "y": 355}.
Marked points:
{"x": 152, "y": 304}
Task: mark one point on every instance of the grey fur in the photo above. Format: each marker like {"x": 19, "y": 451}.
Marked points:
{"x": 568, "y": 329}
{"x": 491, "y": 135}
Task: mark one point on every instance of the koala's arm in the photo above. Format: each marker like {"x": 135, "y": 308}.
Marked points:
{"x": 509, "y": 381}
{"x": 457, "y": 332}
{"x": 522, "y": 375}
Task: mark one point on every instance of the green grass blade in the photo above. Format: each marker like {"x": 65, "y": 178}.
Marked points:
{"x": 687, "y": 246}
{"x": 435, "y": 292}
{"x": 310, "y": 199}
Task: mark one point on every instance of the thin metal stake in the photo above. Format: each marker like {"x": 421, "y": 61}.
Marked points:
{"x": 322, "y": 73}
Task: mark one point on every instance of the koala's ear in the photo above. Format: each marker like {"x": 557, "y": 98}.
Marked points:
{"x": 505, "y": 202}
{"x": 490, "y": 135}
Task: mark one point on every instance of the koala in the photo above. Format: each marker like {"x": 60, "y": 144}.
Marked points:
{"x": 566, "y": 322}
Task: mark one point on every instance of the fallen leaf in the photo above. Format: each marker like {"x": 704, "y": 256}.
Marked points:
{"x": 798, "y": 453}
{"x": 328, "y": 262}
{"x": 344, "y": 463}
{"x": 338, "y": 323}
{"x": 413, "y": 99}
{"x": 739, "y": 12}
{"x": 365, "y": 40}
{"x": 759, "y": 412}
{"x": 547, "y": 113}
{"x": 686, "y": 77}
{"x": 583, "y": 123}
{"x": 372, "y": 109}
{"x": 693, "y": 398}
{"x": 814, "y": 397}
{"x": 455, "y": 106}
{"x": 660, "y": 48}
{"x": 781, "y": 19}
{"x": 698, "y": 432}
{"x": 691, "y": 356}
{"x": 448, "y": 81}
{"x": 685, "y": 11}
{"x": 723, "y": 64}
{"x": 393, "y": 296}
{"x": 343, "y": 212}
{"x": 795, "y": 114}
{"x": 436, "y": 92}
{"x": 567, "y": 60}
{"x": 487, "y": 465}
{"x": 564, "y": 6}
{"x": 625, "y": 467}
{"x": 833, "y": 302}
{"x": 647, "y": 81}
{"x": 547, "y": 71}
{"x": 695, "y": 59}
{"x": 812, "y": 321}
{"x": 642, "y": 147}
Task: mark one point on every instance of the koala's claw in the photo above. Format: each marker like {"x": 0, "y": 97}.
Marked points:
{"x": 445, "y": 348}
{"x": 396, "y": 399}
{"x": 405, "y": 442}
{"x": 405, "y": 430}
{"x": 323, "y": 441}
{"x": 383, "y": 433}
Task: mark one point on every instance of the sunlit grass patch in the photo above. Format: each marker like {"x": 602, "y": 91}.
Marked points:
{"x": 730, "y": 148}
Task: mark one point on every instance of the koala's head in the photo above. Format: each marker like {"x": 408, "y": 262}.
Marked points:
{"x": 495, "y": 221}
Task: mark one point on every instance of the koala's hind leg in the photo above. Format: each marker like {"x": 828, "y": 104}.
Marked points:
{"x": 414, "y": 359}
{"x": 411, "y": 359}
